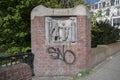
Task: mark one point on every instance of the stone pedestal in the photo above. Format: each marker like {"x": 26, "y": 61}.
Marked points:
{"x": 61, "y": 40}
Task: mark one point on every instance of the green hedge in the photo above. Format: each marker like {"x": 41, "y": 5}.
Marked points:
{"x": 104, "y": 33}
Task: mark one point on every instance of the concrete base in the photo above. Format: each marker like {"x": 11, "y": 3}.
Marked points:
{"x": 53, "y": 78}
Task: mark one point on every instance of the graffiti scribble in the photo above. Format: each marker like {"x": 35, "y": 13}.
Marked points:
{"x": 64, "y": 55}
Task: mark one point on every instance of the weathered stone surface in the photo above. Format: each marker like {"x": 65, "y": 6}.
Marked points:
{"x": 79, "y": 10}
{"x": 48, "y": 64}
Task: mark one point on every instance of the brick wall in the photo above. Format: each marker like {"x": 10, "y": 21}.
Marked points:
{"x": 44, "y": 65}
{"x": 16, "y": 72}
{"x": 102, "y": 52}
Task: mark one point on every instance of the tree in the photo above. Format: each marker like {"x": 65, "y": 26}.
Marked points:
{"x": 15, "y": 22}
{"x": 104, "y": 33}
{"x": 14, "y": 27}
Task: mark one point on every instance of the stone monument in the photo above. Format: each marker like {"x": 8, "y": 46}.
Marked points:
{"x": 61, "y": 40}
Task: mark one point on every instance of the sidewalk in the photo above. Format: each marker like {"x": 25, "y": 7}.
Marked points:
{"x": 107, "y": 70}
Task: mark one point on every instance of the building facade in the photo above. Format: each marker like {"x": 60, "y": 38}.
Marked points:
{"x": 109, "y": 9}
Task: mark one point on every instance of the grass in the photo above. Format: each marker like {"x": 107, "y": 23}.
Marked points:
{"x": 81, "y": 74}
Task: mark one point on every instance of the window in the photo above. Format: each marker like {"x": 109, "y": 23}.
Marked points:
{"x": 60, "y": 30}
{"x": 92, "y": 6}
{"x": 112, "y": 2}
{"x": 103, "y": 4}
{"x": 96, "y": 6}
{"x": 116, "y": 22}
{"x": 107, "y": 4}
{"x": 107, "y": 12}
{"x": 99, "y": 5}
{"x": 118, "y": 12}
{"x": 117, "y": 2}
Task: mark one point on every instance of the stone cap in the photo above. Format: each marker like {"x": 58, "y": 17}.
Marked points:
{"x": 79, "y": 10}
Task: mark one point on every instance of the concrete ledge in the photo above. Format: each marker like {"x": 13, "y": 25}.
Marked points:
{"x": 53, "y": 78}
{"x": 16, "y": 72}
{"x": 102, "y": 52}
{"x": 79, "y": 10}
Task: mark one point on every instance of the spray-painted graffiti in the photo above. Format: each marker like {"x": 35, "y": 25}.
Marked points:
{"x": 67, "y": 56}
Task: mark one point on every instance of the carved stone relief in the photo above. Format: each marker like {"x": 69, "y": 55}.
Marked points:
{"x": 61, "y": 30}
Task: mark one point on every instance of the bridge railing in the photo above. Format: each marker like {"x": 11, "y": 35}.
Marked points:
{"x": 27, "y": 58}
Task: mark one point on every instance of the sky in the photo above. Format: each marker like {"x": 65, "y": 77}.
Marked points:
{"x": 91, "y": 1}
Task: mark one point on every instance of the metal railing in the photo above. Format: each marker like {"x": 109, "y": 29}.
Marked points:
{"x": 27, "y": 58}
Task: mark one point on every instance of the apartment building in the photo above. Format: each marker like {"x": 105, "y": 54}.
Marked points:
{"x": 109, "y": 9}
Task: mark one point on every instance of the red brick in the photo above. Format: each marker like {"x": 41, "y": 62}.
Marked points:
{"x": 44, "y": 65}
{"x": 15, "y": 72}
